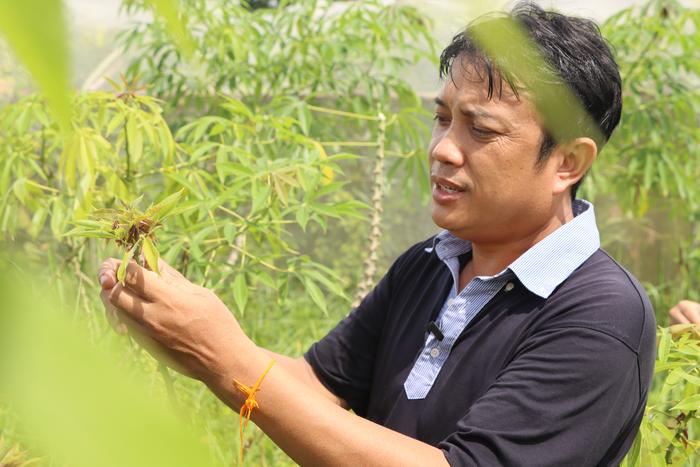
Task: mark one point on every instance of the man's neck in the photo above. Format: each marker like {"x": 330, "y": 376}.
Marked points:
{"x": 491, "y": 258}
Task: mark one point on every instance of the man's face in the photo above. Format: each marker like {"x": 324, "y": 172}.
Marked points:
{"x": 483, "y": 153}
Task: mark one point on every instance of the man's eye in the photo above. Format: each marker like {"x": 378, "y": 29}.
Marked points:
{"x": 441, "y": 120}
{"x": 483, "y": 131}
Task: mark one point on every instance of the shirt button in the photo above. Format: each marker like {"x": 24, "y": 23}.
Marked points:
{"x": 435, "y": 352}
{"x": 509, "y": 287}
{"x": 450, "y": 302}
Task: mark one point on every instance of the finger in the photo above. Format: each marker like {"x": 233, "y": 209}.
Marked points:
{"x": 112, "y": 315}
{"x": 145, "y": 339}
{"x": 690, "y": 310}
{"x": 145, "y": 283}
{"x": 125, "y": 324}
{"x": 127, "y": 303}
{"x": 107, "y": 274}
{"x": 677, "y": 316}
{"x": 119, "y": 326}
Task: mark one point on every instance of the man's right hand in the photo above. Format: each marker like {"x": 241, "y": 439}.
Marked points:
{"x": 686, "y": 312}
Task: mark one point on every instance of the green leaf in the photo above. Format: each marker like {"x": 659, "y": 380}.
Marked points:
{"x": 121, "y": 272}
{"x": 664, "y": 345}
{"x": 237, "y": 107}
{"x": 116, "y": 121}
{"x": 20, "y": 190}
{"x": 135, "y": 138}
{"x": 690, "y": 403}
{"x": 91, "y": 233}
{"x": 168, "y": 11}
{"x": 240, "y": 292}
{"x": 302, "y": 216}
{"x": 260, "y": 196}
{"x": 183, "y": 181}
{"x": 316, "y": 294}
{"x": 161, "y": 209}
{"x": 662, "y": 429}
{"x": 633, "y": 456}
{"x": 151, "y": 254}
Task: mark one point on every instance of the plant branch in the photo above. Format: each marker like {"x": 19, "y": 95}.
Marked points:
{"x": 342, "y": 113}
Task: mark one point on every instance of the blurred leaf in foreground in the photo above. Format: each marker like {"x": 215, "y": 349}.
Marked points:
{"x": 36, "y": 31}
{"x": 79, "y": 406}
{"x": 508, "y": 43}
{"x": 168, "y": 10}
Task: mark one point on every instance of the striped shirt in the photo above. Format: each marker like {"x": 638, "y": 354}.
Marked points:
{"x": 540, "y": 269}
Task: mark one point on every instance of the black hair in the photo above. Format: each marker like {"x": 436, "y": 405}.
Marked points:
{"x": 572, "y": 47}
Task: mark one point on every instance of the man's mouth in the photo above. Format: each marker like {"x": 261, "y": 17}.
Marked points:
{"x": 448, "y": 189}
{"x": 446, "y": 185}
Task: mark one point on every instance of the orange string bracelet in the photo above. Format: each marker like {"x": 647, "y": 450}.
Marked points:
{"x": 249, "y": 404}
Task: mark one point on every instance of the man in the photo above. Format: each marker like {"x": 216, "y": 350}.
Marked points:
{"x": 508, "y": 339}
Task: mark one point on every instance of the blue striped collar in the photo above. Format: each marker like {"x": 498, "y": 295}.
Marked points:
{"x": 547, "y": 263}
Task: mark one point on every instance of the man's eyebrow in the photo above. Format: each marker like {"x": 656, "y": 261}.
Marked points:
{"x": 471, "y": 112}
{"x": 481, "y": 113}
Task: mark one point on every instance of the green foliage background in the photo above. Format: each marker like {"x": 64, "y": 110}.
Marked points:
{"x": 294, "y": 135}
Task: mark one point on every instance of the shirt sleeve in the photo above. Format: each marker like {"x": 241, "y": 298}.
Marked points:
{"x": 562, "y": 400}
{"x": 344, "y": 359}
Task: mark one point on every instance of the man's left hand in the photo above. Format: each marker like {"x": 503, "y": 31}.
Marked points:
{"x": 185, "y": 325}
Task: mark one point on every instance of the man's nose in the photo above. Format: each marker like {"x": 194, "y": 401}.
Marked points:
{"x": 448, "y": 151}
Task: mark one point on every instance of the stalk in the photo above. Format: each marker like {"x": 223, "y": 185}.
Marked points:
{"x": 375, "y": 228}
{"x": 126, "y": 149}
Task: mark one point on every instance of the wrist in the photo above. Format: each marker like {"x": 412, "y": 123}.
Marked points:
{"x": 244, "y": 362}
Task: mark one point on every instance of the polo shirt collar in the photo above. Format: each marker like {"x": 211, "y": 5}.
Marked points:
{"x": 547, "y": 263}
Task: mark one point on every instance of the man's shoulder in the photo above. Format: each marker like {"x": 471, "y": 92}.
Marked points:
{"x": 604, "y": 296}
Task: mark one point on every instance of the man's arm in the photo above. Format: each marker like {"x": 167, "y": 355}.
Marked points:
{"x": 300, "y": 369}
{"x": 314, "y": 430}
{"x": 191, "y": 329}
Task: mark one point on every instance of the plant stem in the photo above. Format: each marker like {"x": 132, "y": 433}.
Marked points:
{"x": 169, "y": 386}
{"x": 342, "y": 113}
{"x": 43, "y": 154}
{"x": 126, "y": 149}
{"x": 375, "y": 232}
{"x": 358, "y": 144}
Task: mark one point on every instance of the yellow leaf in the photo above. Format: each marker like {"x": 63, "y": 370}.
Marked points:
{"x": 151, "y": 254}
{"x": 121, "y": 272}
{"x": 325, "y": 170}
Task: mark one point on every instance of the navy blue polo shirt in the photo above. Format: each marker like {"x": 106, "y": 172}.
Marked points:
{"x": 531, "y": 381}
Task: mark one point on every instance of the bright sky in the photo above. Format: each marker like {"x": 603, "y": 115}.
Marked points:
{"x": 449, "y": 15}
{"x": 106, "y": 12}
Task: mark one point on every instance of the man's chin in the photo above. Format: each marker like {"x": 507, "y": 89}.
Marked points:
{"x": 447, "y": 221}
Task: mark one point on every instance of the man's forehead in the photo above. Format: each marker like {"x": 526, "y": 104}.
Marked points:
{"x": 469, "y": 91}
{"x": 476, "y": 89}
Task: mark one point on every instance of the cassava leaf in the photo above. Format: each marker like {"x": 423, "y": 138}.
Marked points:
{"x": 151, "y": 254}
{"x": 240, "y": 292}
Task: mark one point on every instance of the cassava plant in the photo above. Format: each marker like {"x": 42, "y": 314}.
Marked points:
{"x": 132, "y": 230}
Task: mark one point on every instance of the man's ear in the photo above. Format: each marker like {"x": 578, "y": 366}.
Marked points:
{"x": 574, "y": 159}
